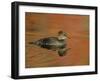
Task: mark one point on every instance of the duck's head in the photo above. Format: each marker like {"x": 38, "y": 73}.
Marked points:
{"x": 61, "y": 35}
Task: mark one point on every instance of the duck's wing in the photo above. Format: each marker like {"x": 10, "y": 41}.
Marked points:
{"x": 46, "y": 42}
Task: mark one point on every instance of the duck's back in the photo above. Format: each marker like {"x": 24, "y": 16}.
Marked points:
{"x": 49, "y": 43}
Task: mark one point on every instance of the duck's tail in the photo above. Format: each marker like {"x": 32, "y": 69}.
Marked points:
{"x": 35, "y": 42}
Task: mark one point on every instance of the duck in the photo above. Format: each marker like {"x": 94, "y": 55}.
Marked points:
{"x": 58, "y": 43}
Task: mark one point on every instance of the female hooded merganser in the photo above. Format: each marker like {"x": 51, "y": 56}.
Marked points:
{"x": 54, "y": 43}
